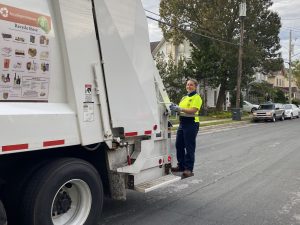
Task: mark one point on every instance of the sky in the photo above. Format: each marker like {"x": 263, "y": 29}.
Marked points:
{"x": 288, "y": 10}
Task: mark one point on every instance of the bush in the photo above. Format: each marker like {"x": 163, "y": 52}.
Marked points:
{"x": 220, "y": 115}
{"x": 296, "y": 101}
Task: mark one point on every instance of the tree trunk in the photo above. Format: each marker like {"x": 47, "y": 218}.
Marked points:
{"x": 221, "y": 97}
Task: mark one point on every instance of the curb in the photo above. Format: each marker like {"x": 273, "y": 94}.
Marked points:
{"x": 213, "y": 126}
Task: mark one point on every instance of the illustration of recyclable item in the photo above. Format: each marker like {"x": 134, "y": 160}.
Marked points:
{"x": 32, "y": 52}
{"x": 5, "y": 95}
{"x": 45, "y": 67}
{"x": 44, "y": 55}
{"x": 6, "y": 36}
{"x": 17, "y": 65}
{"x": 44, "y": 40}
{"x": 20, "y": 39}
{"x": 5, "y": 78}
{"x": 32, "y": 39}
{"x": 17, "y": 80}
{"x": 6, "y": 63}
{"x": 6, "y": 51}
{"x": 31, "y": 66}
{"x": 19, "y": 52}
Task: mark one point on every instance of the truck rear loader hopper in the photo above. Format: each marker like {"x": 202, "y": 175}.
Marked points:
{"x": 83, "y": 110}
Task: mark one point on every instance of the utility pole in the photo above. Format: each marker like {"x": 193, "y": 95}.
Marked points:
{"x": 243, "y": 8}
{"x": 290, "y": 67}
{"x": 237, "y": 111}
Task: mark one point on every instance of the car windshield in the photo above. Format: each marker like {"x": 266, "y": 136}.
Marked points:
{"x": 266, "y": 107}
{"x": 287, "y": 106}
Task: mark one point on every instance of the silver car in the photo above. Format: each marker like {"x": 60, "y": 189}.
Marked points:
{"x": 249, "y": 107}
{"x": 291, "y": 111}
{"x": 269, "y": 111}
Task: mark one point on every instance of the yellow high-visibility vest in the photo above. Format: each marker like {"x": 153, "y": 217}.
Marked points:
{"x": 193, "y": 101}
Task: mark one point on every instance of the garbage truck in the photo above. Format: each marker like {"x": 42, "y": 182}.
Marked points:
{"x": 83, "y": 111}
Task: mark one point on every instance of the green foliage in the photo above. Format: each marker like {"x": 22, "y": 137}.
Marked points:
{"x": 296, "y": 101}
{"x": 279, "y": 96}
{"x": 233, "y": 99}
{"x": 174, "y": 76}
{"x": 220, "y": 114}
{"x": 265, "y": 92}
{"x": 296, "y": 72}
{"x": 217, "y": 62}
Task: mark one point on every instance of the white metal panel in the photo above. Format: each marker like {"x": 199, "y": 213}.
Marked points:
{"x": 81, "y": 54}
{"x": 34, "y": 123}
{"x": 128, "y": 64}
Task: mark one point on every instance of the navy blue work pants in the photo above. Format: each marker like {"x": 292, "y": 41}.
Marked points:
{"x": 186, "y": 145}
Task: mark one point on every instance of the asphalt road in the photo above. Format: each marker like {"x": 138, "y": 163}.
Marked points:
{"x": 244, "y": 175}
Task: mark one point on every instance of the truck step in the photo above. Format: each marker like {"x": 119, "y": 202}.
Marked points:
{"x": 157, "y": 183}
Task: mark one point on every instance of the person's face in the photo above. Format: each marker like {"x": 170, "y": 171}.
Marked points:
{"x": 190, "y": 86}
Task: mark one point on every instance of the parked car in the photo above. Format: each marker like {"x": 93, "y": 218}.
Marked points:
{"x": 291, "y": 111}
{"x": 249, "y": 107}
{"x": 269, "y": 111}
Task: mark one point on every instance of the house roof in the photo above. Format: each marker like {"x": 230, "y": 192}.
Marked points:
{"x": 153, "y": 45}
{"x": 157, "y": 46}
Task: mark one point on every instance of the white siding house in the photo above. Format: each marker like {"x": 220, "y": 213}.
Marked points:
{"x": 167, "y": 50}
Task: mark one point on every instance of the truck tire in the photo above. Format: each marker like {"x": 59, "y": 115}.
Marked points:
{"x": 13, "y": 192}
{"x": 282, "y": 117}
{"x": 3, "y": 218}
{"x": 65, "y": 191}
{"x": 274, "y": 118}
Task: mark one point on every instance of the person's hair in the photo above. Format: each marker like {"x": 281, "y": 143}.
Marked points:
{"x": 194, "y": 81}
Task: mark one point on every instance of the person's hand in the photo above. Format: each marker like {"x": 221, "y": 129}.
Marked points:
{"x": 175, "y": 108}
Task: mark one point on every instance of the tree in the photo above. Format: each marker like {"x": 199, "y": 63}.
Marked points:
{"x": 216, "y": 61}
{"x": 266, "y": 92}
{"x": 296, "y": 72}
{"x": 174, "y": 76}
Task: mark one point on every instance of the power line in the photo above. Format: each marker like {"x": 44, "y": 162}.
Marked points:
{"x": 188, "y": 31}
{"x": 291, "y": 28}
{"x": 290, "y": 18}
{"x": 285, "y": 28}
{"x": 151, "y": 12}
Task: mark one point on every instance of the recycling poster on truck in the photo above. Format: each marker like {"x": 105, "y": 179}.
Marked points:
{"x": 25, "y": 55}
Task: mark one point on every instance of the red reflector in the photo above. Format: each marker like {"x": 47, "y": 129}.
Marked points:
{"x": 53, "y": 143}
{"x": 160, "y": 161}
{"x": 131, "y": 134}
{"x": 155, "y": 127}
{"x": 14, "y": 147}
{"x": 148, "y": 132}
{"x": 169, "y": 158}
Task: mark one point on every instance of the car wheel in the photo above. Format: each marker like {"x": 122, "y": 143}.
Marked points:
{"x": 65, "y": 191}
{"x": 292, "y": 116}
{"x": 274, "y": 118}
{"x": 282, "y": 117}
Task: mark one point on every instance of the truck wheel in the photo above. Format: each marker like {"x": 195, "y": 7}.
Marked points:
{"x": 65, "y": 191}
{"x": 282, "y": 117}
{"x": 274, "y": 118}
{"x": 292, "y": 116}
{"x": 3, "y": 218}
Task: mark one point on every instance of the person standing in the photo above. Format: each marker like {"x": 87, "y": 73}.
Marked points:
{"x": 188, "y": 110}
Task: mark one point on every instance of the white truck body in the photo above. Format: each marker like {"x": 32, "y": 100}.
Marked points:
{"x": 76, "y": 73}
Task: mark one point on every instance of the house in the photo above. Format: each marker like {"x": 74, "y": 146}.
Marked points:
{"x": 280, "y": 79}
{"x": 168, "y": 50}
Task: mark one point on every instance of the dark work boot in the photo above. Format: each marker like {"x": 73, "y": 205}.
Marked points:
{"x": 177, "y": 169}
{"x": 187, "y": 173}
